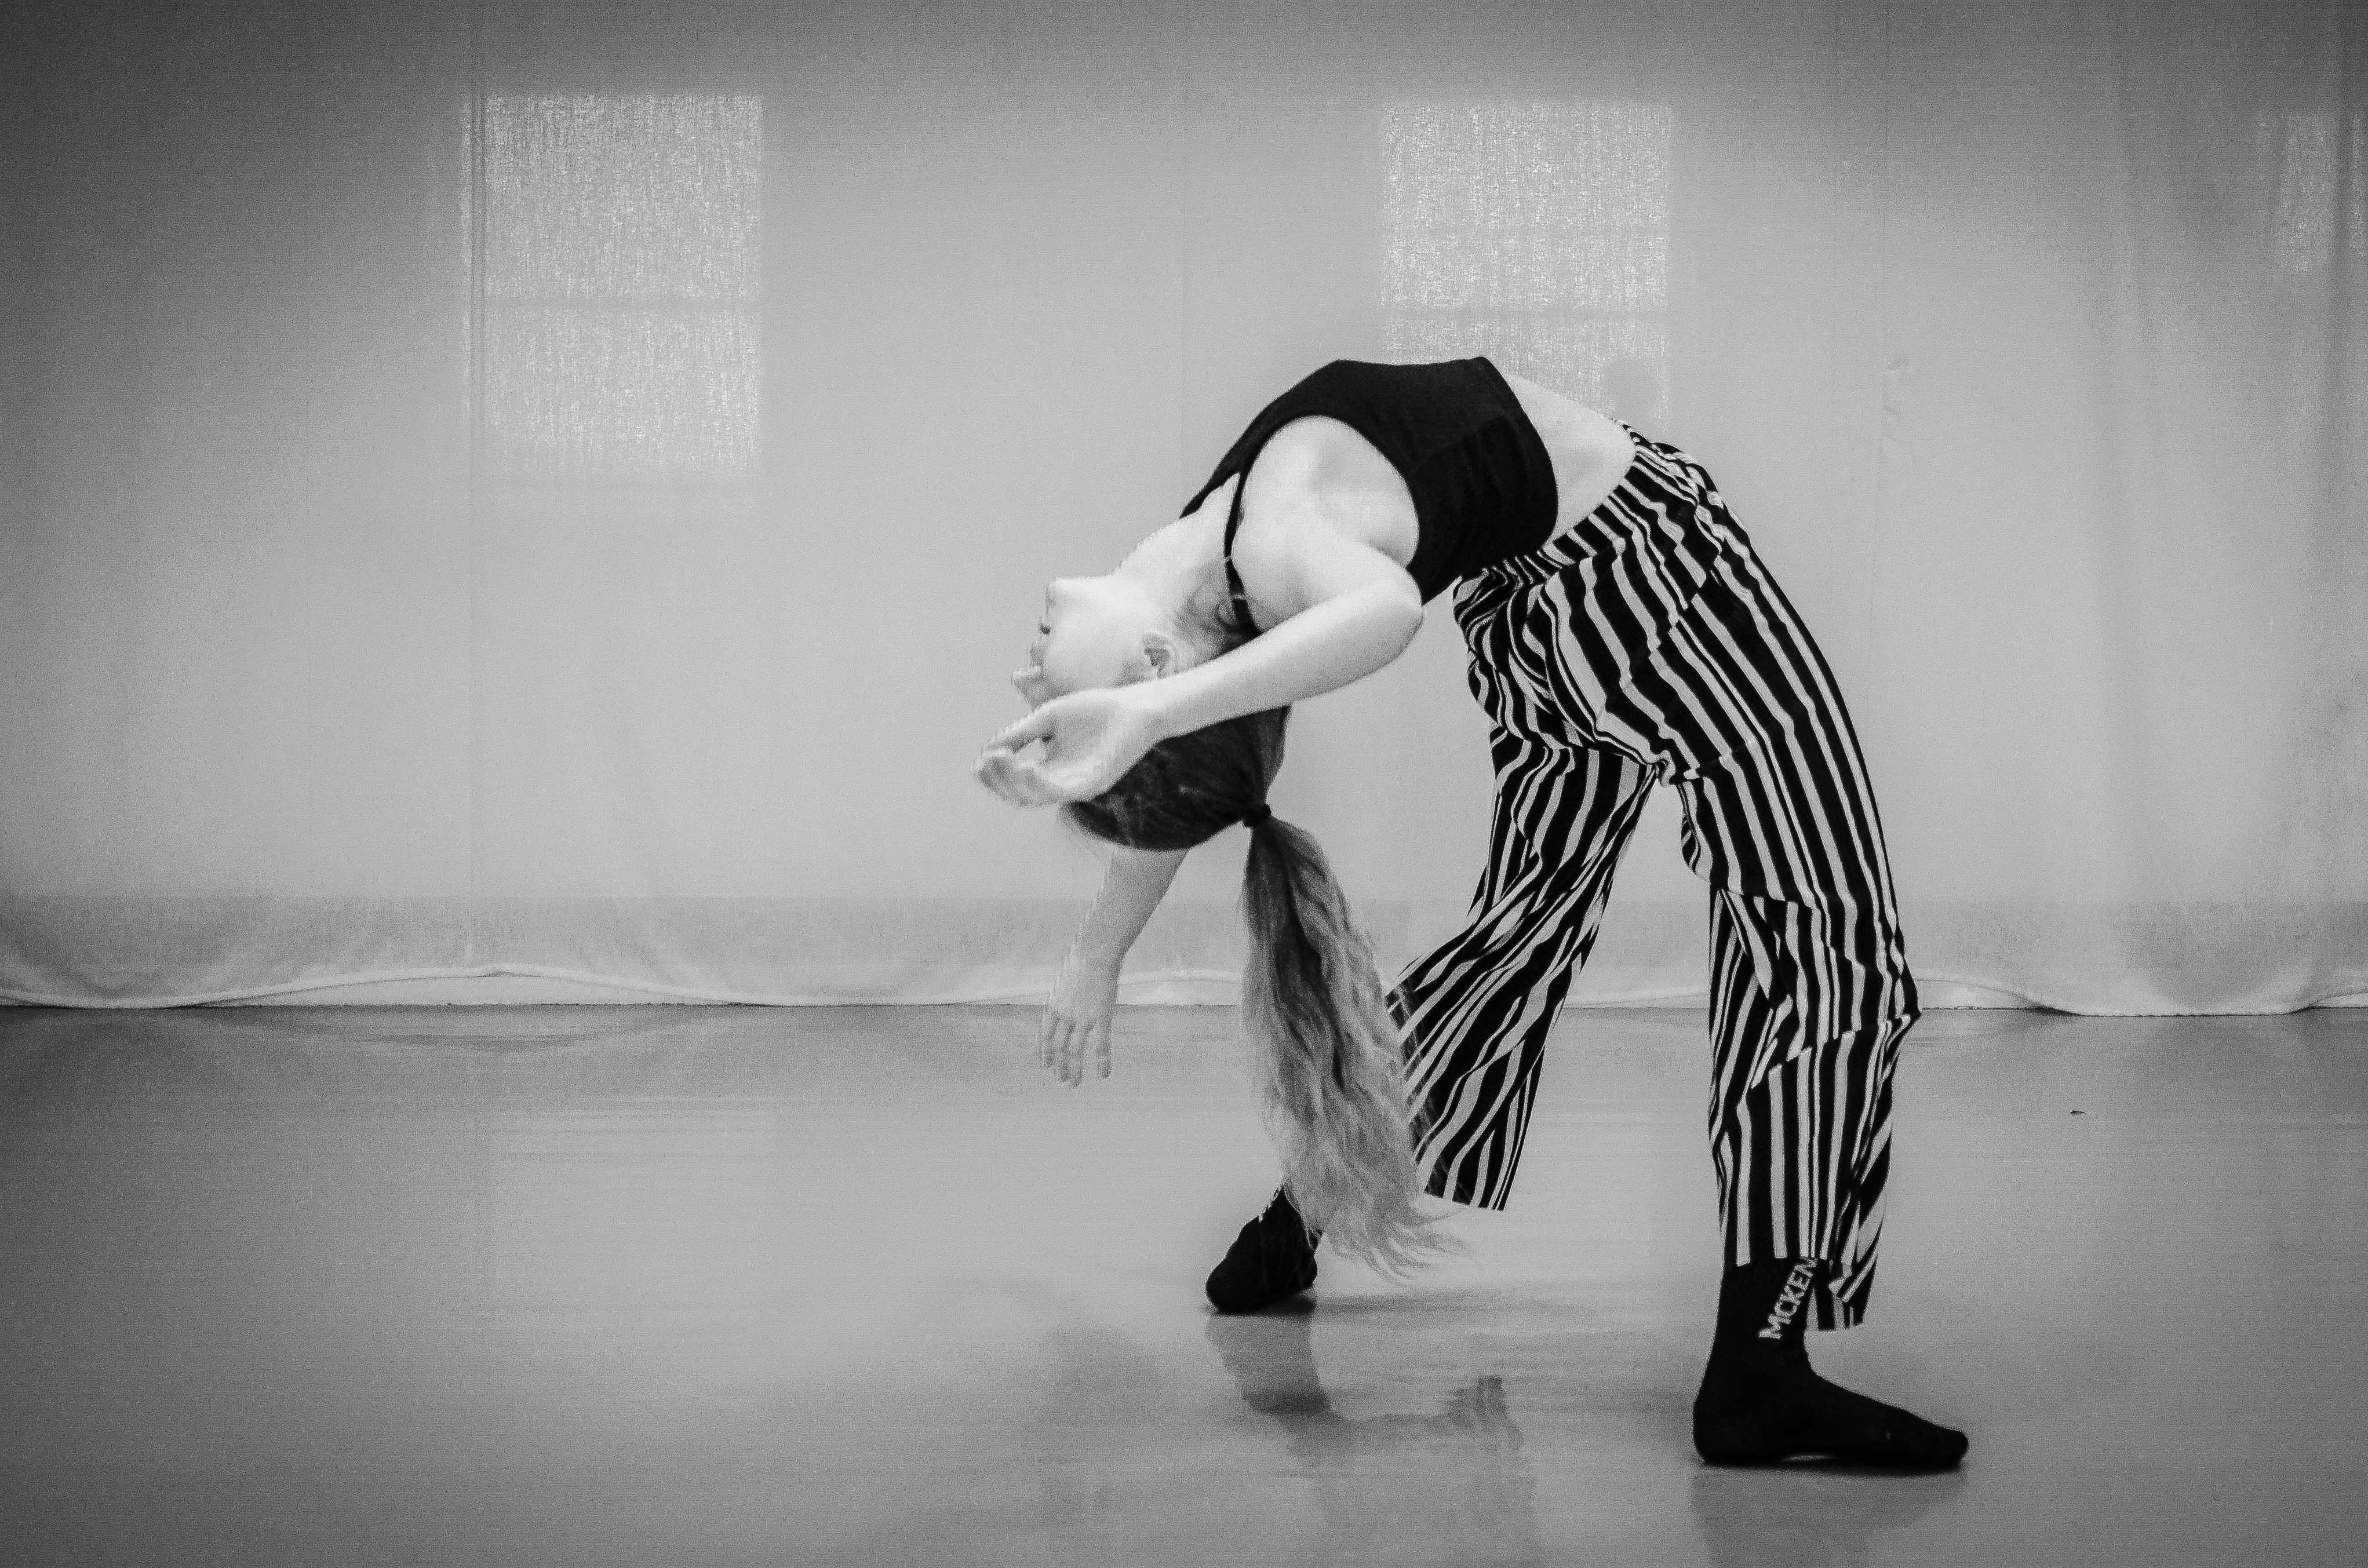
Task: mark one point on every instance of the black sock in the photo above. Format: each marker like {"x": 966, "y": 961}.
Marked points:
{"x": 1761, "y": 1403}
{"x": 1272, "y": 1260}
{"x": 1763, "y": 1315}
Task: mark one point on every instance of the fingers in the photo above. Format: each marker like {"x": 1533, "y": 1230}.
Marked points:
{"x": 1070, "y": 1045}
{"x": 1009, "y": 778}
{"x": 1027, "y": 783}
{"x": 1037, "y": 786}
{"x": 1020, "y": 780}
{"x": 1081, "y": 757}
{"x": 1090, "y": 738}
{"x": 1061, "y": 1047}
{"x": 1035, "y": 727}
{"x": 1072, "y": 1048}
{"x": 988, "y": 770}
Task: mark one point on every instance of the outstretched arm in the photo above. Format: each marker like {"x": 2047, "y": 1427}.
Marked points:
{"x": 1077, "y": 1023}
{"x": 1362, "y": 611}
{"x": 1341, "y": 639}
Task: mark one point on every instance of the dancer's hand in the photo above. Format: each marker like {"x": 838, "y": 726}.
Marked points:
{"x": 1077, "y": 1022}
{"x": 1090, "y": 739}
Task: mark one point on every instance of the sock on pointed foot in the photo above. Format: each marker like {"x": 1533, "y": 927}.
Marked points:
{"x": 1761, "y": 1403}
{"x": 1271, "y": 1260}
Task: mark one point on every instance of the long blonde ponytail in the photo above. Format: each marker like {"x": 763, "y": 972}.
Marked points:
{"x": 1326, "y": 1054}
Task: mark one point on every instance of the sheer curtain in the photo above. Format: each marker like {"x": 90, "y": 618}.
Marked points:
{"x": 556, "y": 489}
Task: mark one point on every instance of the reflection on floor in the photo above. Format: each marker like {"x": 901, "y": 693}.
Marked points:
{"x": 693, "y": 1286}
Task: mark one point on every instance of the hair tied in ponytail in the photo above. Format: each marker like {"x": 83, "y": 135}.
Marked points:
{"x": 1330, "y": 1067}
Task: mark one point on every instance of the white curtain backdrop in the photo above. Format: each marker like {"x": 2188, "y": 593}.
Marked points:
{"x": 555, "y": 487}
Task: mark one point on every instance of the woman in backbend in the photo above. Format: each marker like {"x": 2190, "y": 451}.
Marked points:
{"x": 1622, "y": 635}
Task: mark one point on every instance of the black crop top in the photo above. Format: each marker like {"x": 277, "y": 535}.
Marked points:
{"x": 1483, "y": 485}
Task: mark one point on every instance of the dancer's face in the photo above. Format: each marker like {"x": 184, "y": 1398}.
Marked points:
{"x": 1095, "y": 632}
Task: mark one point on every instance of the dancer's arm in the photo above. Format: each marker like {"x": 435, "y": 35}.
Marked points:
{"x": 1362, "y": 611}
{"x": 1077, "y": 1023}
{"x": 1340, "y": 639}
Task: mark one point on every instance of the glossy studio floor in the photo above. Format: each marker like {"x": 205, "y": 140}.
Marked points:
{"x": 693, "y": 1286}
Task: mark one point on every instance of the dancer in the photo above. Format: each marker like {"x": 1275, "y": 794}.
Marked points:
{"x": 1622, "y": 634}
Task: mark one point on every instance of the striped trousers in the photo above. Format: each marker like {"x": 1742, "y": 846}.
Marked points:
{"x": 1649, "y": 645}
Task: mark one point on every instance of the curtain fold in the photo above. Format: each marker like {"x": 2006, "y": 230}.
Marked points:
{"x": 555, "y": 489}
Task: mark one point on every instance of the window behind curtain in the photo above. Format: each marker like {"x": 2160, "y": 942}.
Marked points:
{"x": 610, "y": 250}
{"x": 1537, "y": 234}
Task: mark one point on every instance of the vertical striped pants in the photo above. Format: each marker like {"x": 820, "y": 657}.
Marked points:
{"x": 1649, "y": 645}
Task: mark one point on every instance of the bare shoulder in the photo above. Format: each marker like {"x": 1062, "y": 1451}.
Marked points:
{"x": 1317, "y": 474}
{"x": 1311, "y": 452}
{"x": 1322, "y": 511}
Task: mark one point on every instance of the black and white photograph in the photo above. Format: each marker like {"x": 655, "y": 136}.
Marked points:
{"x": 1183, "y": 784}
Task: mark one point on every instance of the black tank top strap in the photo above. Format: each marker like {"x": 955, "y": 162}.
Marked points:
{"x": 1241, "y": 600}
